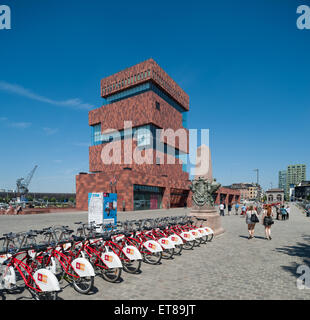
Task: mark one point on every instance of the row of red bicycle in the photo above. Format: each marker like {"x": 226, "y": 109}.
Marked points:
{"x": 40, "y": 260}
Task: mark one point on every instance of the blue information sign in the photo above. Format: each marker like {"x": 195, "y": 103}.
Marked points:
{"x": 102, "y": 208}
{"x": 110, "y": 208}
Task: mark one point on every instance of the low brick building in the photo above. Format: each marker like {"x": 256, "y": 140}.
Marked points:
{"x": 227, "y": 195}
{"x": 275, "y": 196}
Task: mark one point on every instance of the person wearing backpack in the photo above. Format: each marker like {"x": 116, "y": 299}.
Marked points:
{"x": 251, "y": 218}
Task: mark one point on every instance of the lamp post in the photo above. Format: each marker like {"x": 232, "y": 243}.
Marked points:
{"x": 257, "y": 185}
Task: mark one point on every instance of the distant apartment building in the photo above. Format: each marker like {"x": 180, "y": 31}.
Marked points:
{"x": 282, "y": 180}
{"x": 253, "y": 191}
{"x": 295, "y": 174}
{"x": 248, "y": 191}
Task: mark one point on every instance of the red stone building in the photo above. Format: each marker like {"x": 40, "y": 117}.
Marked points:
{"x": 140, "y": 101}
{"x": 227, "y": 195}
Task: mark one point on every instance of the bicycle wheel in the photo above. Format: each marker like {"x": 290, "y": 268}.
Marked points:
{"x": 178, "y": 249}
{"x": 130, "y": 266}
{"x": 43, "y": 295}
{"x": 197, "y": 242}
{"x": 188, "y": 245}
{"x": 53, "y": 295}
{"x": 152, "y": 258}
{"x": 204, "y": 239}
{"x": 83, "y": 284}
{"x": 210, "y": 237}
{"x": 167, "y": 253}
{"x": 111, "y": 275}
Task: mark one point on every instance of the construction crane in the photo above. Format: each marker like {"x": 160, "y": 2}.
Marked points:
{"x": 22, "y": 184}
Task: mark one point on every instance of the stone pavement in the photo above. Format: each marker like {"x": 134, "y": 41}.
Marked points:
{"x": 229, "y": 267}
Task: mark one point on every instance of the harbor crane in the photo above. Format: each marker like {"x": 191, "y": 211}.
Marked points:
{"x": 22, "y": 184}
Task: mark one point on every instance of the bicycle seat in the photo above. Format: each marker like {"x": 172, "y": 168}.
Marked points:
{"x": 10, "y": 235}
{"x": 40, "y": 247}
{"x": 77, "y": 238}
{"x": 69, "y": 231}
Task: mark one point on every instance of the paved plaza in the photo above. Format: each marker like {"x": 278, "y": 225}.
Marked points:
{"x": 229, "y": 267}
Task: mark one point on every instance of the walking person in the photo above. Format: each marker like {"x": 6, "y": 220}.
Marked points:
{"x": 251, "y": 218}
{"x": 222, "y": 208}
{"x": 288, "y": 210}
{"x": 259, "y": 209}
{"x": 283, "y": 213}
{"x": 229, "y": 207}
{"x": 278, "y": 212}
{"x": 267, "y": 221}
{"x": 236, "y": 208}
{"x": 243, "y": 209}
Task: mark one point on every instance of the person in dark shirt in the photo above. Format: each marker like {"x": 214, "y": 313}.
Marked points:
{"x": 229, "y": 207}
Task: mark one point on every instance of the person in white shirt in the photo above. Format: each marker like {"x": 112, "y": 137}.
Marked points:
{"x": 222, "y": 207}
{"x": 288, "y": 209}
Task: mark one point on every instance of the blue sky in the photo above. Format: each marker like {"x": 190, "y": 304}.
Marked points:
{"x": 245, "y": 66}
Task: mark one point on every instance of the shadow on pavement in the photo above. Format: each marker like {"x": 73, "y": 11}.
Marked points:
{"x": 255, "y": 237}
{"x": 300, "y": 250}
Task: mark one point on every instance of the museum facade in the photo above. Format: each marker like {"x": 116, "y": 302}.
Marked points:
{"x": 139, "y": 141}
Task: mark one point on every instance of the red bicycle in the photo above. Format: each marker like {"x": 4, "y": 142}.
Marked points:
{"x": 18, "y": 270}
{"x": 57, "y": 257}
